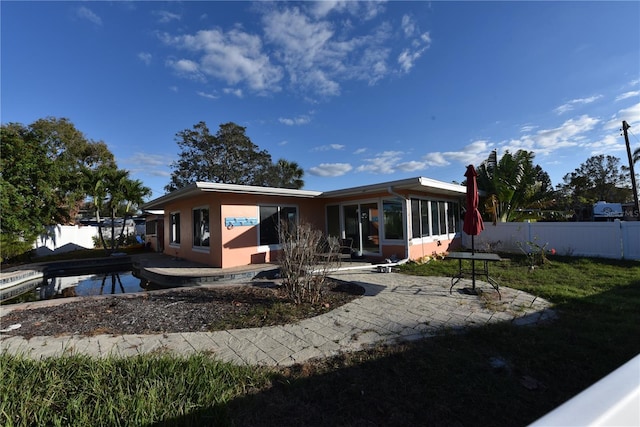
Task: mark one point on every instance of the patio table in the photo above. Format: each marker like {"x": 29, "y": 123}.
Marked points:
{"x": 485, "y": 259}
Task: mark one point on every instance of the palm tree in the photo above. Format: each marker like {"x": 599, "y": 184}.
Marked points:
{"x": 112, "y": 190}
{"x": 132, "y": 193}
{"x": 636, "y": 156}
{"x": 286, "y": 174}
{"x": 512, "y": 184}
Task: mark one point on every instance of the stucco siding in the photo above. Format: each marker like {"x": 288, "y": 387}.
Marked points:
{"x": 418, "y": 250}
{"x": 239, "y": 241}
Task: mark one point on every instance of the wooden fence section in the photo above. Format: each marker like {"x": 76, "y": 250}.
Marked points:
{"x": 615, "y": 239}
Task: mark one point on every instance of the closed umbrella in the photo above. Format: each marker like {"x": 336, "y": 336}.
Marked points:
{"x": 473, "y": 224}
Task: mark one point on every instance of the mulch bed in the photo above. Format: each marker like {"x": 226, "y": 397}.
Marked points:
{"x": 192, "y": 309}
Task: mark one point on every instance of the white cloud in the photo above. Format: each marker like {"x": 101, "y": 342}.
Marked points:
{"x": 473, "y": 153}
{"x": 569, "y": 134}
{"x": 408, "y": 26}
{"x": 321, "y": 9}
{"x": 165, "y": 17}
{"x": 330, "y": 169}
{"x": 318, "y": 57}
{"x": 411, "y": 166}
{"x": 149, "y": 163}
{"x": 365, "y": 10}
{"x": 384, "y": 163}
{"x": 329, "y": 147}
{"x": 145, "y": 57}
{"x": 574, "y": 102}
{"x": 234, "y": 57}
{"x": 296, "y": 121}
{"x": 436, "y": 159}
{"x": 231, "y": 91}
{"x": 86, "y": 13}
{"x": 628, "y": 95}
{"x": 300, "y": 47}
{"x": 360, "y": 151}
{"x": 410, "y": 55}
{"x": 208, "y": 95}
{"x": 606, "y": 145}
{"x": 631, "y": 115}
{"x": 184, "y": 65}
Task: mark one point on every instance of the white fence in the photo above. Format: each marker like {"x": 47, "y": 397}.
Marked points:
{"x": 616, "y": 239}
{"x": 67, "y": 238}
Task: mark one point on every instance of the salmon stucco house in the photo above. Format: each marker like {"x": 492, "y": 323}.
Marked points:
{"x": 226, "y": 225}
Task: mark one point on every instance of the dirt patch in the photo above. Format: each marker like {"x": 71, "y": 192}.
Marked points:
{"x": 192, "y": 309}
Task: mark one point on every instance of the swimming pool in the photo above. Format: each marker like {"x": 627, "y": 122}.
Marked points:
{"x": 59, "y": 285}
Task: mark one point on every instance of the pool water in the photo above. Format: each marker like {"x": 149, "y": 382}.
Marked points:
{"x": 80, "y": 285}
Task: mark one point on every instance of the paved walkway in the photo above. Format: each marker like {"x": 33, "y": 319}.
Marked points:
{"x": 395, "y": 307}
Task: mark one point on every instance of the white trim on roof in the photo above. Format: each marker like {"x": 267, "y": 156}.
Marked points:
{"x": 416, "y": 184}
{"x": 214, "y": 187}
{"x": 250, "y": 189}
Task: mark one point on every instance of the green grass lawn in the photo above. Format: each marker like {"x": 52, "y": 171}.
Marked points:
{"x": 496, "y": 375}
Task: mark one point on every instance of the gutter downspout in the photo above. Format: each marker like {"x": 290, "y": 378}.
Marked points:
{"x": 407, "y": 209}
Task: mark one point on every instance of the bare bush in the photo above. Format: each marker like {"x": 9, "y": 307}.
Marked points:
{"x": 307, "y": 258}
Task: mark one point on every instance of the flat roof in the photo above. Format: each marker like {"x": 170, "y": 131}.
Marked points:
{"x": 214, "y": 187}
{"x": 416, "y": 184}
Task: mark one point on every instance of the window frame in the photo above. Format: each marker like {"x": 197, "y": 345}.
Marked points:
{"x": 264, "y": 246}
{"x": 207, "y": 230}
{"x": 172, "y": 227}
{"x": 399, "y": 214}
{"x": 441, "y": 213}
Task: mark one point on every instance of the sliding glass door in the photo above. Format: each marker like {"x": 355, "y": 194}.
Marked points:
{"x": 361, "y": 223}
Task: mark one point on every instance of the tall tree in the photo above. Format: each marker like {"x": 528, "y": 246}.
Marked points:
{"x": 513, "y": 184}
{"x": 41, "y": 178}
{"x": 72, "y": 154}
{"x": 28, "y": 198}
{"x": 600, "y": 178}
{"x": 228, "y": 157}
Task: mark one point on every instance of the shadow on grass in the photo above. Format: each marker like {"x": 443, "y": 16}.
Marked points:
{"x": 498, "y": 375}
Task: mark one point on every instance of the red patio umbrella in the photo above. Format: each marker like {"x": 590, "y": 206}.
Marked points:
{"x": 473, "y": 224}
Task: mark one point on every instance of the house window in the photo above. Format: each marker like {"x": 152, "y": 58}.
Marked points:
{"x": 438, "y": 217}
{"x": 434, "y": 217}
{"x": 393, "y": 229}
{"x": 201, "y": 227}
{"x": 453, "y": 217}
{"x": 150, "y": 228}
{"x": 419, "y": 218}
{"x": 174, "y": 228}
{"x": 271, "y": 218}
{"x": 333, "y": 220}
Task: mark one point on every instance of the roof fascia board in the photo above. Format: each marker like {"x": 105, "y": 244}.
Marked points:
{"x": 212, "y": 187}
{"x": 415, "y": 184}
{"x": 249, "y": 189}
{"x": 405, "y": 184}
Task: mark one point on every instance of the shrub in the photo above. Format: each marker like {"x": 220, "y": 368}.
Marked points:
{"x": 306, "y": 259}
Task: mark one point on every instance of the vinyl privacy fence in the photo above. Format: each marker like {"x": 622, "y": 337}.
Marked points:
{"x": 615, "y": 239}
{"x": 67, "y": 238}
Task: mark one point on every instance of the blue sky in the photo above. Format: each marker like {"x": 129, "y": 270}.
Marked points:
{"x": 355, "y": 92}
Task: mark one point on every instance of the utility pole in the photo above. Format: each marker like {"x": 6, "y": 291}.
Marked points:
{"x": 634, "y": 188}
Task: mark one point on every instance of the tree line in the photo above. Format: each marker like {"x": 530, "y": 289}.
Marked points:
{"x": 516, "y": 189}
{"x": 50, "y": 171}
